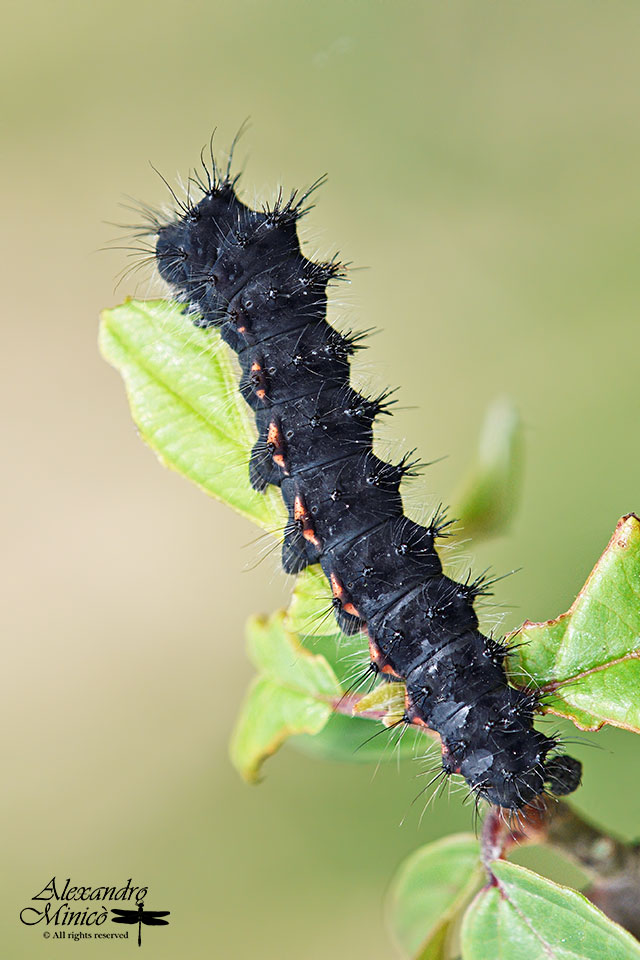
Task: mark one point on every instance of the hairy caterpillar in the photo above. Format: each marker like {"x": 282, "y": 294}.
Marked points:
{"x": 242, "y": 271}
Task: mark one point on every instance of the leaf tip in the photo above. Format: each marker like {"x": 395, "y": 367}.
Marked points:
{"x": 627, "y": 528}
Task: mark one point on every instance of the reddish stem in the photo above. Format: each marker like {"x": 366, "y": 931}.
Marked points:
{"x": 614, "y": 866}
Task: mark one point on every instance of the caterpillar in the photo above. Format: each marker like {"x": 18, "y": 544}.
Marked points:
{"x": 242, "y": 271}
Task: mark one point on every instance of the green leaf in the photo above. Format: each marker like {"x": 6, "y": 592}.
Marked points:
{"x": 522, "y": 916}
{"x": 184, "y": 398}
{"x": 293, "y": 694}
{"x": 386, "y": 699}
{"x": 311, "y": 617}
{"x": 487, "y": 500}
{"x": 351, "y": 739}
{"x": 587, "y": 661}
{"x": 310, "y": 612}
{"x": 429, "y": 892}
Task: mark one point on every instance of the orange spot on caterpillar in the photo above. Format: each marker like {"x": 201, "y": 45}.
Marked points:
{"x": 336, "y": 587}
{"x": 258, "y": 379}
{"x": 389, "y": 669}
{"x": 300, "y": 514}
{"x": 412, "y": 717}
{"x": 446, "y": 754}
{"x": 419, "y": 722}
{"x": 338, "y": 591}
{"x": 274, "y": 437}
{"x": 273, "y": 434}
{"x": 376, "y": 657}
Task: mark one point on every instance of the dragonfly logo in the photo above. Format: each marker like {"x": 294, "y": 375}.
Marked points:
{"x": 151, "y": 918}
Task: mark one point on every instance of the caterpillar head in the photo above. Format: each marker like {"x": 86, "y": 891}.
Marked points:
{"x": 562, "y": 775}
{"x": 171, "y": 254}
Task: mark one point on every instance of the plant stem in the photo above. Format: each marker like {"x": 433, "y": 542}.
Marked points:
{"x": 614, "y": 866}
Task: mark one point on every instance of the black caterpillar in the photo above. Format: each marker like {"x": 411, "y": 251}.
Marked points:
{"x": 242, "y": 271}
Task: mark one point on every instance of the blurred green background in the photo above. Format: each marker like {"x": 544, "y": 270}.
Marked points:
{"x": 483, "y": 163}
